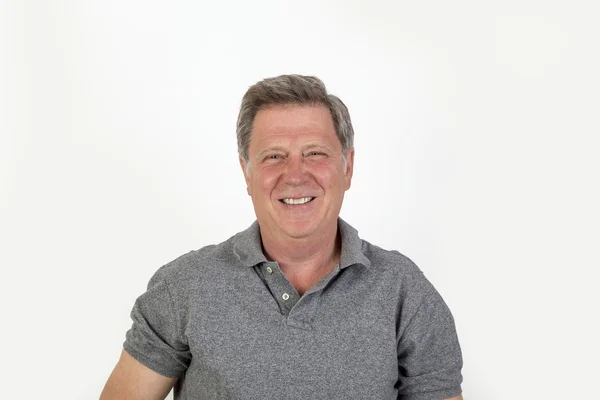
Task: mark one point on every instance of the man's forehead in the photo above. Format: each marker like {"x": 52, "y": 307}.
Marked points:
{"x": 292, "y": 116}
{"x": 308, "y": 123}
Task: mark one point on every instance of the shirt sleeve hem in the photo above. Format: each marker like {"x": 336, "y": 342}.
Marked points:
{"x": 436, "y": 395}
{"x": 153, "y": 365}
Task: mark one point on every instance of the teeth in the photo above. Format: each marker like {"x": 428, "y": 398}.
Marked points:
{"x": 302, "y": 200}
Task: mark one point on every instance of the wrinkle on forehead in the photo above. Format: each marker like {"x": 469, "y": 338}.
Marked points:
{"x": 293, "y": 119}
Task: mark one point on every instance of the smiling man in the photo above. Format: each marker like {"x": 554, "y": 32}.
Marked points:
{"x": 297, "y": 306}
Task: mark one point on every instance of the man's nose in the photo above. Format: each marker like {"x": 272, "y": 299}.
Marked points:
{"x": 295, "y": 172}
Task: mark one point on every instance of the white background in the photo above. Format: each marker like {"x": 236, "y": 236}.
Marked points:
{"x": 476, "y": 156}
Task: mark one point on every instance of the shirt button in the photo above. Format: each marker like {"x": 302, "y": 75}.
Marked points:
{"x": 269, "y": 269}
{"x": 285, "y": 296}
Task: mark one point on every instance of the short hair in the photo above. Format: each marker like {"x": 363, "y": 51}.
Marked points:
{"x": 291, "y": 90}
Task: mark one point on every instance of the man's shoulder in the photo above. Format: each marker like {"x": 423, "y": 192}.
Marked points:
{"x": 356, "y": 249}
{"x": 198, "y": 262}
{"x": 389, "y": 260}
{"x": 400, "y": 274}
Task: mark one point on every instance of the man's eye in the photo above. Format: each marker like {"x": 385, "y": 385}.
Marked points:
{"x": 273, "y": 157}
{"x": 316, "y": 153}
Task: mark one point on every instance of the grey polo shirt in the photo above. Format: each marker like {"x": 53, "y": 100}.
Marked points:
{"x": 229, "y": 325}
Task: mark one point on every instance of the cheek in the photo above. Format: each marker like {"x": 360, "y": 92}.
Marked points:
{"x": 265, "y": 181}
{"x": 327, "y": 176}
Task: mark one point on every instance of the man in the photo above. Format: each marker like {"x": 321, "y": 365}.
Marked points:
{"x": 297, "y": 306}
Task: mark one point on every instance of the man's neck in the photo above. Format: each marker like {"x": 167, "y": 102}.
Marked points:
{"x": 304, "y": 261}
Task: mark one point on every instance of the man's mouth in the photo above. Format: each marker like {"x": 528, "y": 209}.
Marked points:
{"x": 301, "y": 200}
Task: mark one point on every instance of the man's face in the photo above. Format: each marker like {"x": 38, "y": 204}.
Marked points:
{"x": 296, "y": 157}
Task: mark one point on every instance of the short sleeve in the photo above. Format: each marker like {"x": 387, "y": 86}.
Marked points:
{"x": 429, "y": 355}
{"x": 156, "y": 338}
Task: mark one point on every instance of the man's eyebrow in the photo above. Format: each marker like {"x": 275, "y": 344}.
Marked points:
{"x": 317, "y": 145}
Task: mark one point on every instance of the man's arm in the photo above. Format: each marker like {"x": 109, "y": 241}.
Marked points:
{"x": 132, "y": 380}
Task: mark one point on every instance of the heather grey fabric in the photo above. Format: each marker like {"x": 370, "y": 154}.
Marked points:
{"x": 229, "y": 325}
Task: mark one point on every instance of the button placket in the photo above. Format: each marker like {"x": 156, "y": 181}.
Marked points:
{"x": 281, "y": 289}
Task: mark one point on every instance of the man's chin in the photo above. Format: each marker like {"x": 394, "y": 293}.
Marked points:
{"x": 298, "y": 230}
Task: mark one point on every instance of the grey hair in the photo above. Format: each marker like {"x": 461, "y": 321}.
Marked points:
{"x": 291, "y": 90}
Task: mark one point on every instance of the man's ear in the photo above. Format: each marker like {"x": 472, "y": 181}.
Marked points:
{"x": 349, "y": 168}
{"x": 246, "y": 176}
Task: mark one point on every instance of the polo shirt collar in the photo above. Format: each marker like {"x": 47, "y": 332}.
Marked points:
{"x": 351, "y": 246}
{"x": 248, "y": 246}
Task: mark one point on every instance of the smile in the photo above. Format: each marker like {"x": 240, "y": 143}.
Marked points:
{"x": 302, "y": 200}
